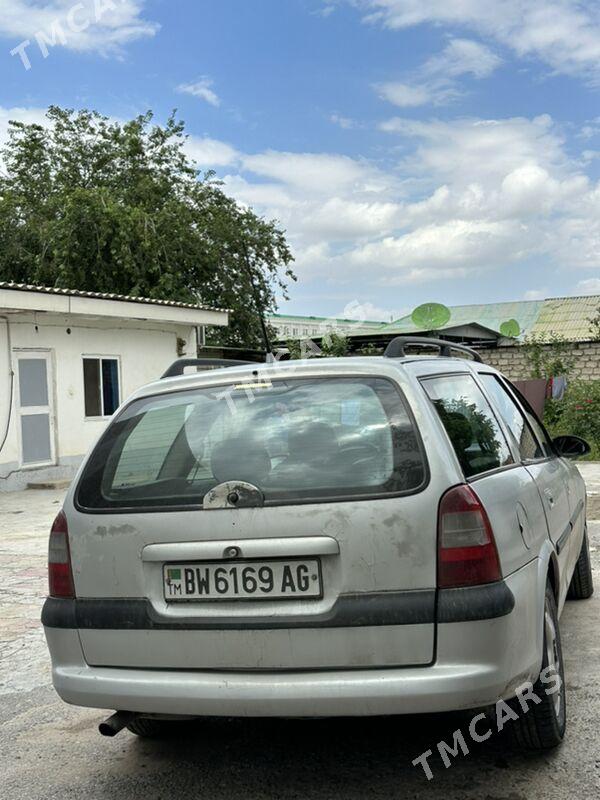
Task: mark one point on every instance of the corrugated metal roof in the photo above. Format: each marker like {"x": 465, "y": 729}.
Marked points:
{"x": 25, "y": 287}
{"x": 490, "y": 315}
{"x": 568, "y": 317}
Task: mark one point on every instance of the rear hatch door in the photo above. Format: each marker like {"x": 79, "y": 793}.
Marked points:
{"x": 289, "y": 525}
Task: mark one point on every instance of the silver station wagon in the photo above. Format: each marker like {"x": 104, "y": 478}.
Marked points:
{"x": 328, "y": 537}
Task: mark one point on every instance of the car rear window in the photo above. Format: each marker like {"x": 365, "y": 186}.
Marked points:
{"x": 294, "y": 439}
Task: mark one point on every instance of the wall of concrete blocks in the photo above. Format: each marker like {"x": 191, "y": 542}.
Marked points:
{"x": 513, "y": 362}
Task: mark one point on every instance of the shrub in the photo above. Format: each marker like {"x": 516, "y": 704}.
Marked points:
{"x": 332, "y": 345}
{"x": 577, "y": 413}
{"x": 548, "y": 355}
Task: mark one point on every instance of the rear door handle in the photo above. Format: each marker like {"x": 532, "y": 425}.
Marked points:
{"x": 549, "y": 497}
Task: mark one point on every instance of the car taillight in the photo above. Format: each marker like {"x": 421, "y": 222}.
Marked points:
{"x": 467, "y": 554}
{"x": 60, "y": 574}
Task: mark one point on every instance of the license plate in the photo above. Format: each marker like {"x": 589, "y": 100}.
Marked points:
{"x": 243, "y": 580}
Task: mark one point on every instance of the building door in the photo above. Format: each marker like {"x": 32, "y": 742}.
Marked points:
{"x": 36, "y": 408}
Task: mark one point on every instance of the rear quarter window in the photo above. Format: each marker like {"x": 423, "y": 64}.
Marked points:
{"x": 472, "y": 428}
{"x": 296, "y": 440}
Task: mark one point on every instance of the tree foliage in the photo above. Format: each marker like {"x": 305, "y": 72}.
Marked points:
{"x": 91, "y": 204}
{"x": 333, "y": 345}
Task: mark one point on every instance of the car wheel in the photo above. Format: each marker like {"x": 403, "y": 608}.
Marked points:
{"x": 543, "y": 725}
{"x": 582, "y": 583}
{"x": 151, "y": 728}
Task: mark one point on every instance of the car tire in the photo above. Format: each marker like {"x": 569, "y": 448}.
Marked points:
{"x": 150, "y": 728}
{"x": 582, "y": 583}
{"x": 543, "y": 726}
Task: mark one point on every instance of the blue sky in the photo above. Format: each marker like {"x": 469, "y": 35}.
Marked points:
{"x": 414, "y": 150}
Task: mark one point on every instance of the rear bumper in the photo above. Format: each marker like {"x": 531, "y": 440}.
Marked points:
{"x": 313, "y": 694}
{"x": 479, "y": 661}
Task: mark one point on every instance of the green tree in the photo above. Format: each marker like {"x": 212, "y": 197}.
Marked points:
{"x": 91, "y": 204}
{"x": 334, "y": 345}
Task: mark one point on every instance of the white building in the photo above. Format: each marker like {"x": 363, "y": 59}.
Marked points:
{"x": 289, "y": 326}
{"x": 67, "y": 361}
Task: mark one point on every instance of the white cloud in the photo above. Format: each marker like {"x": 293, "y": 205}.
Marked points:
{"x": 455, "y": 246}
{"x": 315, "y": 173}
{"x": 346, "y": 123}
{"x": 436, "y": 80}
{"x": 327, "y": 203}
{"x": 463, "y": 57}
{"x": 202, "y": 88}
{"x": 210, "y": 153}
{"x": 342, "y": 219}
{"x": 590, "y": 130}
{"x": 326, "y": 9}
{"x": 404, "y": 95}
{"x": 575, "y": 238}
{"x": 467, "y": 196}
{"x": 588, "y": 286}
{"x": 368, "y": 312}
{"x": 482, "y": 151}
{"x": 273, "y": 199}
{"x": 536, "y": 294}
{"x": 104, "y": 26}
{"x": 564, "y": 34}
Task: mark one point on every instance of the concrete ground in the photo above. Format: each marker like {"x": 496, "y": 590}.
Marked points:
{"x": 51, "y": 750}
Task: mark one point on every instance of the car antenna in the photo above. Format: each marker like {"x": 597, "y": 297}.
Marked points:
{"x": 259, "y": 310}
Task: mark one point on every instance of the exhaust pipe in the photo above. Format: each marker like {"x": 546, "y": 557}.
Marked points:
{"x": 116, "y": 723}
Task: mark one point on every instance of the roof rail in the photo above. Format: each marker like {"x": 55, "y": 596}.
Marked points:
{"x": 396, "y": 348}
{"x": 178, "y": 367}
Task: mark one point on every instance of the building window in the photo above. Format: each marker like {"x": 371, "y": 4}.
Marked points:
{"x": 101, "y": 386}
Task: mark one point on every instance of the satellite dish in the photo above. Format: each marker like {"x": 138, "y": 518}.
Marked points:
{"x": 430, "y": 316}
{"x": 511, "y": 329}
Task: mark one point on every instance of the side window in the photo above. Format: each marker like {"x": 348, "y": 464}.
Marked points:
{"x": 477, "y": 439}
{"x": 514, "y": 419}
{"x": 536, "y": 425}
